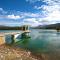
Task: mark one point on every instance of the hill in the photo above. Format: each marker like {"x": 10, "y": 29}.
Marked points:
{"x": 50, "y": 26}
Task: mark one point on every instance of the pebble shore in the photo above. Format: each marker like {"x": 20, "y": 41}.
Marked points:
{"x": 12, "y": 53}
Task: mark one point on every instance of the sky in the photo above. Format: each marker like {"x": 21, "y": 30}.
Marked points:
{"x": 32, "y": 12}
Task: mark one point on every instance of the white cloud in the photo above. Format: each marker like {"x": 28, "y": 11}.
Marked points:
{"x": 32, "y": 1}
{"x": 36, "y": 7}
{"x": 47, "y": 1}
{"x": 53, "y": 17}
{"x": 51, "y": 11}
{"x": 52, "y": 2}
{"x": 2, "y": 11}
{"x": 31, "y": 21}
{"x": 34, "y": 15}
{"x": 13, "y": 16}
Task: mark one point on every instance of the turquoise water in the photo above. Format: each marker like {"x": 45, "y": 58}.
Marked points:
{"x": 40, "y": 41}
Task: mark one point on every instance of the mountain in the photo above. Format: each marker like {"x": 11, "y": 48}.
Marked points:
{"x": 50, "y": 26}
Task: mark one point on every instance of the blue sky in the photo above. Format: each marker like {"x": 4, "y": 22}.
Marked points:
{"x": 32, "y": 12}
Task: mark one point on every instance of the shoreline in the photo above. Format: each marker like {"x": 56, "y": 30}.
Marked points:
{"x": 13, "y": 53}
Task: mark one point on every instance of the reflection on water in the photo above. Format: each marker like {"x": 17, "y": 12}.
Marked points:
{"x": 41, "y": 41}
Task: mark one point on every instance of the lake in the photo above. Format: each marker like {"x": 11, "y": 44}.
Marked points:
{"x": 40, "y": 40}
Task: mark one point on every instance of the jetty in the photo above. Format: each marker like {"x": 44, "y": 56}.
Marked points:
{"x": 3, "y": 36}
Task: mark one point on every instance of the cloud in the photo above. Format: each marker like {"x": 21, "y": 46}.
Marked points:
{"x": 53, "y": 17}
{"x": 29, "y": 14}
{"x": 46, "y": 1}
{"x": 21, "y": 18}
{"x": 32, "y": 21}
{"x": 51, "y": 11}
{"x": 32, "y": 1}
{"x": 13, "y": 17}
{"x": 47, "y": 14}
{"x": 2, "y": 11}
{"x": 36, "y": 7}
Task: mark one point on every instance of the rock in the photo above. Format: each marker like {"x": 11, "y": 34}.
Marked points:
{"x": 2, "y": 56}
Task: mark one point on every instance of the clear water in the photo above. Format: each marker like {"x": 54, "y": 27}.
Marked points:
{"x": 40, "y": 41}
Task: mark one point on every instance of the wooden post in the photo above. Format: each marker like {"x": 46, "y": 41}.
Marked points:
{"x": 12, "y": 37}
{"x": 28, "y": 27}
{"x": 22, "y": 28}
{"x": 2, "y": 40}
{"x": 25, "y": 28}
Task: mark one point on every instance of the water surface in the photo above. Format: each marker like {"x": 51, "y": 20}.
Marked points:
{"x": 40, "y": 41}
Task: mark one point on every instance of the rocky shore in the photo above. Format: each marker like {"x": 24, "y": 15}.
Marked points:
{"x": 12, "y": 53}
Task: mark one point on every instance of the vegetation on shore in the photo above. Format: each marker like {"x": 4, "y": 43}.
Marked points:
{"x": 10, "y": 28}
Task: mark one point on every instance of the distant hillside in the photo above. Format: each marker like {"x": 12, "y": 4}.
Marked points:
{"x": 51, "y": 26}
{"x": 9, "y": 28}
